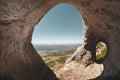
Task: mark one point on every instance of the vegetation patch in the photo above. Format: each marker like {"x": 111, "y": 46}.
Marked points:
{"x": 101, "y": 50}
{"x": 57, "y": 61}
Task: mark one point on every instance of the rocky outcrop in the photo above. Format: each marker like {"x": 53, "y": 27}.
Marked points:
{"x": 80, "y": 67}
{"x": 20, "y": 61}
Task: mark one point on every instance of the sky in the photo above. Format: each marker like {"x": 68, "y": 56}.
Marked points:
{"x": 61, "y": 25}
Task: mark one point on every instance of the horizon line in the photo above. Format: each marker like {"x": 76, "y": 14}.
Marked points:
{"x": 54, "y": 43}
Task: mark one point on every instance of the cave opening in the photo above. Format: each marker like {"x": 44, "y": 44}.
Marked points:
{"x": 58, "y": 34}
{"x": 101, "y": 51}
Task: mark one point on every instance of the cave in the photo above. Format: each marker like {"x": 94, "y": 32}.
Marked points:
{"x": 20, "y": 61}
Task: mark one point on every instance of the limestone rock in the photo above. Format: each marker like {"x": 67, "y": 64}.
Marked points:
{"x": 77, "y": 71}
{"x": 20, "y": 61}
{"x": 81, "y": 55}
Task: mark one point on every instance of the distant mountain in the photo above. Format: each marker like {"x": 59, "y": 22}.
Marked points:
{"x": 47, "y": 47}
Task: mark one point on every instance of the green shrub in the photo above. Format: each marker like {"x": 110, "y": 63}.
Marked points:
{"x": 51, "y": 63}
{"x": 61, "y": 59}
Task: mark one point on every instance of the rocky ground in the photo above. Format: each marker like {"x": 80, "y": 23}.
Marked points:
{"x": 74, "y": 70}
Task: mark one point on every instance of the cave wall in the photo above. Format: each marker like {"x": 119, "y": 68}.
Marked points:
{"x": 20, "y": 61}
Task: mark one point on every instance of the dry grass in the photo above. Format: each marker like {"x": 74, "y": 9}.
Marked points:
{"x": 57, "y": 61}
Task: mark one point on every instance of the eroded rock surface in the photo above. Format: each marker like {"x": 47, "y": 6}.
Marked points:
{"x": 20, "y": 61}
{"x": 80, "y": 67}
{"x": 77, "y": 71}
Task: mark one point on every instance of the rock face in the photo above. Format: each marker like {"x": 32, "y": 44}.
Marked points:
{"x": 20, "y": 61}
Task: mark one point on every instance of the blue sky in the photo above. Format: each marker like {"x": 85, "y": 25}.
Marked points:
{"x": 62, "y": 24}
